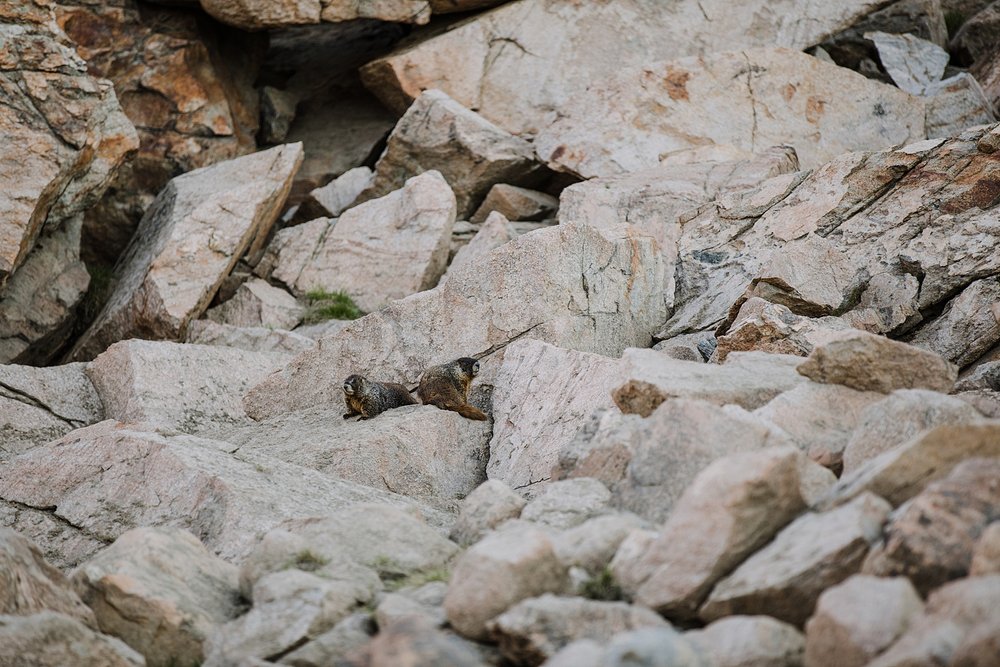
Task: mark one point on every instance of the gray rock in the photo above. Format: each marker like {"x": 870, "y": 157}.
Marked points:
{"x": 986, "y": 554}
{"x": 40, "y": 404}
{"x": 750, "y": 641}
{"x": 257, "y": 303}
{"x": 425, "y": 601}
{"x": 161, "y": 592}
{"x": 515, "y": 203}
{"x": 957, "y": 103}
{"x": 968, "y": 327}
{"x": 498, "y": 572}
{"x": 251, "y": 339}
{"x": 567, "y": 503}
{"x": 50, "y": 639}
{"x": 592, "y": 544}
{"x": 983, "y": 376}
{"x": 277, "y": 110}
{"x": 334, "y": 646}
{"x": 914, "y": 64}
{"x": 29, "y": 585}
{"x": 654, "y": 647}
{"x": 816, "y": 551}
{"x": 489, "y": 505}
{"x": 412, "y": 641}
{"x": 336, "y": 196}
{"x": 534, "y": 630}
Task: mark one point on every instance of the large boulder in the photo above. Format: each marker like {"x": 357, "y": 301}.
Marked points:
{"x": 50, "y": 639}
{"x": 375, "y": 252}
{"x": 473, "y": 154}
{"x": 574, "y": 286}
{"x": 883, "y": 218}
{"x": 29, "y": 584}
{"x": 40, "y": 404}
{"x": 418, "y": 451}
{"x": 161, "y": 592}
{"x": 782, "y": 96}
{"x": 501, "y": 62}
{"x": 188, "y": 241}
{"x": 106, "y": 479}
{"x": 931, "y": 539}
{"x": 496, "y": 573}
{"x": 176, "y": 385}
{"x": 816, "y": 551}
{"x": 186, "y": 84}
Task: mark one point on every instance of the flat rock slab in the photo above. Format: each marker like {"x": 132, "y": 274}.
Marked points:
{"x": 417, "y": 451}
{"x": 251, "y": 339}
{"x": 778, "y": 96}
{"x": 189, "y": 240}
{"x": 178, "y": 385}
{"x": 40, "y": 404}
{"x": 109, "y": 478}
{"x": 594, "y": 290}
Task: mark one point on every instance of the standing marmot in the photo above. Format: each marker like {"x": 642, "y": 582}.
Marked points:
{"x": 369, "y": 398}
{"x": 447, "y": 387}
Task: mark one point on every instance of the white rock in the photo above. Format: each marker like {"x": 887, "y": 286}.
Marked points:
{"x": 749, "y": 641}
{"x": 913, "y": 63}
{"x": 955, "y": 104}
{"x": 258, "y": 304}
{"x": 489, "y": 505}
{"x": 252, "y": 339}
{"x": 337, "y": 196}
{"x": 515, "y": 203}
{"x": 568, "y": 503}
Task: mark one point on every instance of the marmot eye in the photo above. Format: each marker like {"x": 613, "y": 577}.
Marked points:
{"x": 348, "y": 389}
{"x": 475, "y": 368}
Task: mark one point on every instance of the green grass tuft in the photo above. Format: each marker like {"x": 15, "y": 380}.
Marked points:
{"x": 415, "y": 579}
{"x": 323, "y": 306}
{"x": 953, "y": 19}
{"x": 602, "y": 587}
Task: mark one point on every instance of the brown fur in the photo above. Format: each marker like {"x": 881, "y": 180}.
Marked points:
{"x": 369, "y": 398}
{"x": 447, "y": 387}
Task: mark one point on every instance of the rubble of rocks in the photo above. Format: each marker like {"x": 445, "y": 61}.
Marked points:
{"x": 729, "y": 276}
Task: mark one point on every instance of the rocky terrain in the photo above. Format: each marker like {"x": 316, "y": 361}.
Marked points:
{"x": 731, "y": 272}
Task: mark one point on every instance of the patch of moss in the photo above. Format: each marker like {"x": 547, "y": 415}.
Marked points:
{"x": 323, "y": 306}
{"x": 415, "y": 579}
{"x": 307, "y": 561}
{"x": 602, "y": 586}
{"x": 953, "y": 19}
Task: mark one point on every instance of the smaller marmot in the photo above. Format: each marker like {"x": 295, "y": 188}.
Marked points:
{"x": 369, "y": 398}
{"x": 447, "y": 387}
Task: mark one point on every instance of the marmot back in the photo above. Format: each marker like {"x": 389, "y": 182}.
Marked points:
{"x": 369, "y": 398}
{"x": 447, "y": 387}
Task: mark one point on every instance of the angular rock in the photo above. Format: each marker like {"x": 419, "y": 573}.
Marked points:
{"x": 952, "y": 619}
{"x": 983, "y": 376}
{"x": 40, "y": 404}
{"x": 277, "y": 111}
{"x": 260, "y": 14}
{"x": 900, "y": 417}
{"x": 749, "y": 641}
{"x": 545, "y": 285}
{"x": 191, "y": 238}
{"x": 50, "y": 639}
{"x": 731, "y": 509}
{"x": 251, "y": 339}
{"x": 40, "y": 301}
{"x": 161, "y": 592}
{"x": 814, "y": 552}
{"x": 857, "y": 202}
{"x": 648, "y": 463}
{"x": 489, "y": 505}
{"x": 593, "y": 543}
{"x": 290, "y": 608}
{"x": 376, "y": 536}
{"x": 336, "y": 644}
{"x": 515, "y": 203}
{"x": 499, "y": 62}
{"x": 901, "y": 473}
{"x": 29, "y": 585}
{"x": 62, "y": 544}
{"x": 567, "y": 503}
{"x": 955, "y": 104}
{"x": 968, "y": 327}
{"x": 424, "y": 601}
{"x": 533, "y": 630}
{"x": 418, "y": 451}
{"x": 108, "y": 478}
{"x": 748, "y": 379}
{"x": 914, "y": 64}
{"x": 931, "y": 539}
{"x": 858, "y": 619}
{"x": 437, "y": 133}
{"x": 985, "y": 401}
{"x": 866, "y": 362}
{"x": 412, "y": 642}
{"x": 336, "y": 196}
{"x": 493, "y": 233}
{"x": 819, "y": 418}
{"x": 498, "y": 572}
{"x": 783, "y": 96}
{"x": 66, "y": 134}
{"x": 258, "y": 304}
{"x": 382, "y": 250}
{"x": 174, "y": 385}
{"x": 986, "y": 554}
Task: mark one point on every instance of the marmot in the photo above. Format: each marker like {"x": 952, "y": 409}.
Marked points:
{"x": 369, "y": 398}
{"x": 447, "y": 387}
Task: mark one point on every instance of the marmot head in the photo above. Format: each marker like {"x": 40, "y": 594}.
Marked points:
{"x": 467, "y": 366}
{"x": 354, "y": 385}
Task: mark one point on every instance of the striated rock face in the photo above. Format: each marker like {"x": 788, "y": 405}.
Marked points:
{"x": 781, "y": 96}
{"x": 376, "y": 252}
{"x": 161, "y": 592}
{"x": 555, "y": 285}
{"x": 189, "y": 240}
{"x": 187, "y": 85}
{"x": 437, "y": 133}
{"x": 500, "y": 63}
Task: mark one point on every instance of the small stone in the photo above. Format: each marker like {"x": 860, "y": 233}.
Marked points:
{"x": 484, "y": 509}
{"x": 515, "y": 203}
{"x": 567, "y": 503}
{"x": 749, "y": 641}
{"x": 259, "y": 304}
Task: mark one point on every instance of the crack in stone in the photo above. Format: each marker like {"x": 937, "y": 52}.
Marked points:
{"x": 28, "y": 399}
{"x": 52, "y": 512}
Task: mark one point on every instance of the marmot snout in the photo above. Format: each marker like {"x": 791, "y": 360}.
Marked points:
{"x": 447, "y": 387}
{"x": 369, "y": 398}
